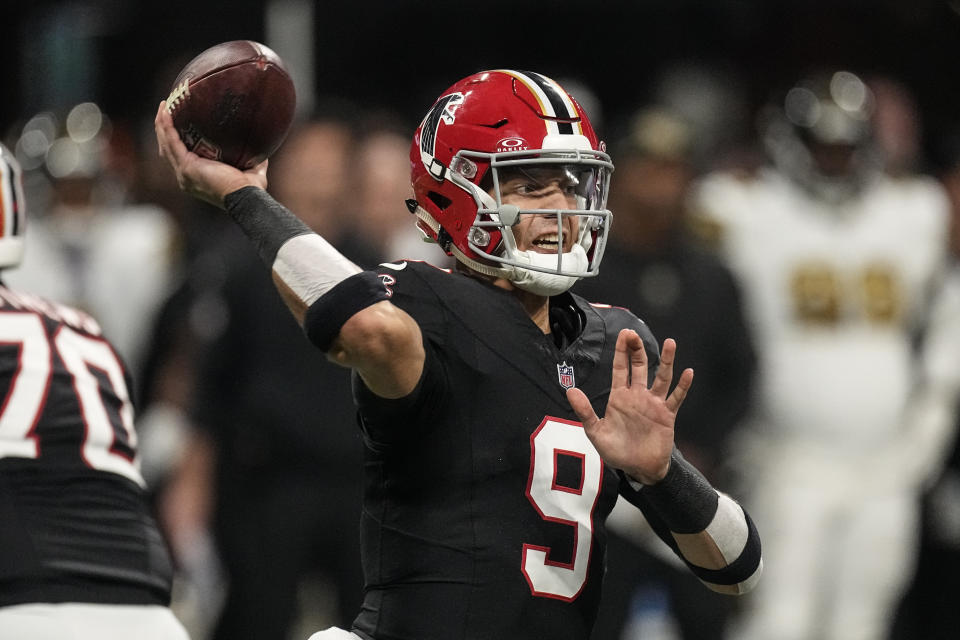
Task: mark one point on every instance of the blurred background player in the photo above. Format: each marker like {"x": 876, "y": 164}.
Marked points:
{"x": 380, "y": 175}
{"x": 653, "y": 264}
{"x": 80, "y": 553}
{"x": 838, "y": 260}
{"x": 929, "y": 608}
{"x": 91, "y": 244}
{"x": 272, "y": 463}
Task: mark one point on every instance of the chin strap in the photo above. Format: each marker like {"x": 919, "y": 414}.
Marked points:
{"x": 544, "y": 283}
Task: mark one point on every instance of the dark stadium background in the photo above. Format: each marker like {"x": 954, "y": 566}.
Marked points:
{"x": 402, "y": 53}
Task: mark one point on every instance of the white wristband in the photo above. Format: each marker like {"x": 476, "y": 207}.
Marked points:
{"x": 310, "y": 266}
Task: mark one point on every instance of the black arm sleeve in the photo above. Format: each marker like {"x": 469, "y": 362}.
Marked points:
{"x": 684, "y": 499}
{"x": 266, "y": 222}
{"x": 327, "y": 315}
{"x": 685, "y": 502}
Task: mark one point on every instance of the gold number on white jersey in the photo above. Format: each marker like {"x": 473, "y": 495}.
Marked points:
{"x": 823, "y": 295}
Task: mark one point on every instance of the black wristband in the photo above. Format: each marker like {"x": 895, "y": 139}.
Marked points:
{"x": 266, "y": 222}
{"x": 327, "y": 315}
{"x": 684, "y": 498}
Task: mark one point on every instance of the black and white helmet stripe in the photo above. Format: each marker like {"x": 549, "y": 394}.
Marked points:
{"x": 13, "y": 214}
{"x": 555, "y": 103}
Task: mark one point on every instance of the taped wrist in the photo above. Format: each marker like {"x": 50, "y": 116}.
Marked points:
{"x": 265, "y": 221}
{"x": 329, "y": 313}
{"x": 684, "y": 498}
{"x": 306, "y": 264}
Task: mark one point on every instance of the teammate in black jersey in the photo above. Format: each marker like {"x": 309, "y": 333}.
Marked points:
{"x": 489, "y": 474}
{"x": 80, "y": 554}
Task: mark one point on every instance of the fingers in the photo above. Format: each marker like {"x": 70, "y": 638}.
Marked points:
{"x": 676, "y": 398}
{"x": 168, "y": 138}
{"x": 582, "y": 407}
{"x": 638, "y": 360}
{"x": 629, "y": 360}
{"x": 661, "y": 383}
{"x": 157, "y": 126}
{"x": 260, "y": 170}
{"x": 172, "y": 147}
{"x": 621, "y": 371}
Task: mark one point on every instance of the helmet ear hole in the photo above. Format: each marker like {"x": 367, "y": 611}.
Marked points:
{"x": 439, "y": 199}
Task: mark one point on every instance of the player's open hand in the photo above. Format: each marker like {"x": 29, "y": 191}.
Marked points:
{"x": 636, "y": 433}
{"x": 208, "y": 180}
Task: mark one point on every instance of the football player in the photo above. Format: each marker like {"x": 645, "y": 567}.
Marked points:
{"x": 489, "y": 473}
{"x": 837, "y": 262}
{"x": 80, "y": 554}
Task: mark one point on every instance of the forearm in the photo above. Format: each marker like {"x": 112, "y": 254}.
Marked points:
{"x": 709, "y": 530}
{"x": 336, "y": 303}
{"x": 303, "y": 264}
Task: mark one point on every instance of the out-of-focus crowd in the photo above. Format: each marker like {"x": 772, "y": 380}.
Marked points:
{"x": 804, "y": 255}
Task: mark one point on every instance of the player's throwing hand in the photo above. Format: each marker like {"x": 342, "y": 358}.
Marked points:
{"x": 208, "y": 180}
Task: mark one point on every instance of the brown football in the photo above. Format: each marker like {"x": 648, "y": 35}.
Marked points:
{"x": 234, "y": 103}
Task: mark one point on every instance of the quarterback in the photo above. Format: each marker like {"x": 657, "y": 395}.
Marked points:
{"x": 489, "y": 473}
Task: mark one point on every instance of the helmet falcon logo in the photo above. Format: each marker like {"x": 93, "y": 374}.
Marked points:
{"x": 449, "y": 112}
{"x": 444, "y": 110}
{"x": 565, "y": 373}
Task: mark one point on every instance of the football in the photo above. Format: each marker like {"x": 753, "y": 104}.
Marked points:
{"x": 234, "y": 103}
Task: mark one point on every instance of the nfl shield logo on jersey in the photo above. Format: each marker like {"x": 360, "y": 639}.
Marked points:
{"x": 565, "y": 372}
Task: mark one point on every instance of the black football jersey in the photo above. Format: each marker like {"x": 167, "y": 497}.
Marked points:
{"x": 484, "y": 501}
{"x": 75, "y": 525}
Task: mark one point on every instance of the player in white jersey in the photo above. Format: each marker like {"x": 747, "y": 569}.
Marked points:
{"x": 837, "y": 261}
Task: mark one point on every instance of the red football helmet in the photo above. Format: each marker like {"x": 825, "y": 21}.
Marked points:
{"x": 497, "y": 120}
{"x": 13, "y": 214}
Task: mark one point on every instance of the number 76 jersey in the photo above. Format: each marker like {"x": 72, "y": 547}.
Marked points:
{"x": 485, "y": 502}
{"x": 72, "y": 502}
